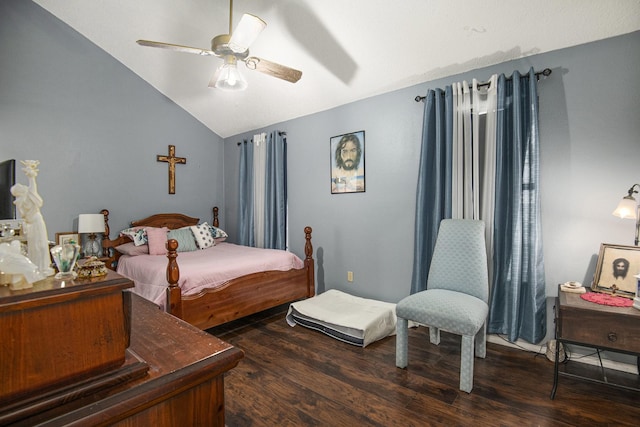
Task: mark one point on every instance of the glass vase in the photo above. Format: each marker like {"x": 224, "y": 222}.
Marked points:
{"x": 65, "y": 257}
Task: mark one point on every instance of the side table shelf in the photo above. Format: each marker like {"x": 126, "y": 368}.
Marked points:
{"x": 603, "y": 328}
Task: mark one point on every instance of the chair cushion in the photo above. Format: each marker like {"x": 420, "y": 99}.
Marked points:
{"x": 450, "y": 311}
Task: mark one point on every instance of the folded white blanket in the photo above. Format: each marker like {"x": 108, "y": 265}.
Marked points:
{"x": 367, "y": 319}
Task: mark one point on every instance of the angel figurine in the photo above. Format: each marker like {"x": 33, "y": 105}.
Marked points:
{"x": 29, "y": 202}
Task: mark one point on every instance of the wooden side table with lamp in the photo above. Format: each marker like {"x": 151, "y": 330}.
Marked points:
{"x": 601, "y": 327}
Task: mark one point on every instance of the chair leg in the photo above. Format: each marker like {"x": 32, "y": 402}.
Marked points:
{"x": 434, "y": 335}
{"x": 466, "y": 363}
{"x": 402, "y": 344}
{"x": 481, "y": 342}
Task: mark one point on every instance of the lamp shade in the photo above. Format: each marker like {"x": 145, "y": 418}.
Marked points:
{"x": 627, "y": 208}
{"x": 91, "y": 223}
{"x": 229, "y": 78}
{"x": 248, "y": 30}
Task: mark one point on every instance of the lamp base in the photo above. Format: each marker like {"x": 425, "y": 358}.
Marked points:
{"x": 91, "y": 246}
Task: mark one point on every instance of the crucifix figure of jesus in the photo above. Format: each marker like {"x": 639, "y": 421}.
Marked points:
{"x": 171, "y": 159}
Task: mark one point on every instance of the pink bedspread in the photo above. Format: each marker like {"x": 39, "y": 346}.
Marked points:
{"x": 202, "y": 269}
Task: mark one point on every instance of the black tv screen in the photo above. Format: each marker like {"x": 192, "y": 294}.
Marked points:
{"x": 7, "y": 180}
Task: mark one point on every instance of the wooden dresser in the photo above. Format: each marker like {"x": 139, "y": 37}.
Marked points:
{"x": 602, "y": 327}
{"x": 168, "y": 373}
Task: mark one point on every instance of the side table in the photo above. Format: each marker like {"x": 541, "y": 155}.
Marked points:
{"x": 600, "y": 327}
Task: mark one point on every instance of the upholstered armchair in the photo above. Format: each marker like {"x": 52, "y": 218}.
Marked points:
{"x": 456, "y": 298}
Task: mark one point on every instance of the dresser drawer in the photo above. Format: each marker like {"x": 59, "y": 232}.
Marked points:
{"x": 599, "y": 328}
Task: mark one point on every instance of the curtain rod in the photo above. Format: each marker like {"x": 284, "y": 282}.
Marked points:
{"x": 546, "y": 72}
{"x": 281, "y": 133}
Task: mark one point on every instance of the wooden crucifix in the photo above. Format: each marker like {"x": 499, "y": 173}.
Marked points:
{"x": 171, "y": 159}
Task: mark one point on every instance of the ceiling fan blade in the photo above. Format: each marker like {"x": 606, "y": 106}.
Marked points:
{"x": 246, "y": 33}
{"x": 273, "y": 69}
{"x": 177, "y": 47}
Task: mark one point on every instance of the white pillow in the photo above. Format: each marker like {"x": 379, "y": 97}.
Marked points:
{"x": 203, "y": 236}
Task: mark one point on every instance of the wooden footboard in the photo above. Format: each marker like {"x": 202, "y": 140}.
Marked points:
{"x": 242, "y": 296}
{"x": 234, "y": 299}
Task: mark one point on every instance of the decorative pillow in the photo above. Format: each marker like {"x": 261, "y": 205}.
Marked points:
{"x": 202, "y": 234}
{"x": 157, "y": 238}
{"x": 184, "y": 236}
{"x": 137, "y": 234}
{"x": 133, "y": 250}
{"x": 218, "y": 234}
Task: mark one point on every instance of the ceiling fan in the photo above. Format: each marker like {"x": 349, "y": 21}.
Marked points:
{"x": 234, "y": 47}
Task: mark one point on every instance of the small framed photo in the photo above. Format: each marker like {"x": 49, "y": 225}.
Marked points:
{"x": 67, "y": 237}
{"x": 616, "y": 270}
{"x": 347, "y": 163}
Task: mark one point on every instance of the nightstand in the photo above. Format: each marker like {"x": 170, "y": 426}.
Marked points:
{"x": 600, "y": 327}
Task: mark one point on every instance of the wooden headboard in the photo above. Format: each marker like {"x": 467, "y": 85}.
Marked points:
{"x": 170, "y": 220}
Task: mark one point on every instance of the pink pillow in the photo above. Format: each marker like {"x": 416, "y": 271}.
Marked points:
{"x": 157, "y": 238}
{"x": 133, "y": 250}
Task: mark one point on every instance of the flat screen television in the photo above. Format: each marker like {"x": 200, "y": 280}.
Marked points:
{"x": 7, "y": 180}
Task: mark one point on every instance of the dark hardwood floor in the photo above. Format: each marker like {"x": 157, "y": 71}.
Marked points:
{"x": 300, "y": 377}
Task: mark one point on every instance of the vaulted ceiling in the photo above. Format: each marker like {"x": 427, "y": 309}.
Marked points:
{"x": 347, "y": 49}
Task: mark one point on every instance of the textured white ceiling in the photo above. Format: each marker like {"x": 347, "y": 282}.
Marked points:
{"x": 347, "y": 49}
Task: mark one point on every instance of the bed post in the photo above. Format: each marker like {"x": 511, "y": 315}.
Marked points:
{"x": 216, "y": 223}
{"x": 308, "y": 262}
{"x": 174, "y": 298}
{"x": 108, "y": 246}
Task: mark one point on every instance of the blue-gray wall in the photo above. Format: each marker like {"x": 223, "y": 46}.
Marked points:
{"x": 97, "y": 127}
{"x": 590, "y": 154}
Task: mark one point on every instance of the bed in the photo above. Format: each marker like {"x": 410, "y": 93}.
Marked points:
{"x": 207, "y": 306}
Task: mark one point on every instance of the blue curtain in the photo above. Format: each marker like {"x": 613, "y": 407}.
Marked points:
{"x": 245, "y": 192}
{"x": 275, "y": 193}
{"x": 275, "y": 229}
{"x": 518, "y": 299}
{"x": 433, "y": 195}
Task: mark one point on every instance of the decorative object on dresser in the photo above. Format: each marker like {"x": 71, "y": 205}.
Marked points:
{"x": 67, "y": 237}
{"x": 16, "y": 269}
{"x": 629, "y": 208}
{"x": 91, "y": 267}
{"x": 29, "y": 202}
{"x": 617, "y": 265}
{"x": 91, "y": 224}
{"x": 65, "y": 257}
{"x": 193, "y": 297}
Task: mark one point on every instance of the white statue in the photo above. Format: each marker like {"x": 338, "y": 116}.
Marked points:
{"x": 21, "y": 271}
{"x": 29, "y": 202}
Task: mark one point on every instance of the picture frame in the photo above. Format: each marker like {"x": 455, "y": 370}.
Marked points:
{"x": 616, "y": 270}
{"x": 347, "y": 163}
{"x": 66, "y": 237}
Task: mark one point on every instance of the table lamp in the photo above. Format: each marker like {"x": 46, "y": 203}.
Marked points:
{"x": 628, "y": 208}
{"x": 91, "y": 224}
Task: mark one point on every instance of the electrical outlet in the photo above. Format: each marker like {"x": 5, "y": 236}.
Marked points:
{"x": 349, "y": 276}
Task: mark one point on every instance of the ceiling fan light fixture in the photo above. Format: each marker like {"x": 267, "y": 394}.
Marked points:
{"x": 229, "y": 77}
{"x": 248, "y": 30}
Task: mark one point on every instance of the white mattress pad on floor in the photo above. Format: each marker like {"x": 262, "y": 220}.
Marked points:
{"x": 352, "y": 319}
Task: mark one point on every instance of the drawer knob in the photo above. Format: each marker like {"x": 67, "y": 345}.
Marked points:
{"x": 612, "y": 336}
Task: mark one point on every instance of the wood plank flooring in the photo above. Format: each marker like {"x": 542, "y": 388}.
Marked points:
{"x": 300, "y": 377}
